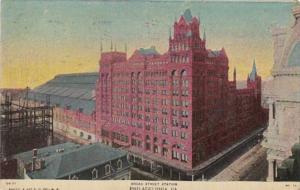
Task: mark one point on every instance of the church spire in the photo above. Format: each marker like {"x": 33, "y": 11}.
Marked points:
{"x": 204, "y": 35}
{"x": 253, "y": 73}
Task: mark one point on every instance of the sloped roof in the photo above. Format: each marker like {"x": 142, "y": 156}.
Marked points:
{"x": 148, "y": 51}
{"x": 73, "y": 159}
{"x": 73, "y": 90}
{"x": 253, "y": 73}
{"x": 214, "y": 53}
{"x": 187, "y": 15}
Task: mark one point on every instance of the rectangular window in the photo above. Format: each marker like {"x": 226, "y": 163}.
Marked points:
{"x": 183, "y": 135}
{"x": 155, "y": 128}
{"x": 174, "y": 133}
{"x": 273, "y": 110}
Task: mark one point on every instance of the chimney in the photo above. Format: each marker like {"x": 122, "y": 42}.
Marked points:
{"x": 33, "y": 163}
{"x": 34, "y": 152}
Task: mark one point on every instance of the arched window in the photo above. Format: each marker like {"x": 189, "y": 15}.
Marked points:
{"x": 119, "y": 164}
{"x": 174, "y": 73}
{"x": 183, "y": 73}
{"x": 155, "y": 139}
{"x": 147, "y": 137}
{"x": 164, "y": 141}
{"x": 94, "y": 173}
{"x": 107, "y": 169}
{"x": 74, "y": 177}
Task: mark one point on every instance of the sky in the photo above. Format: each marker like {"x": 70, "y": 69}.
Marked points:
{"x": 40, "y": 39}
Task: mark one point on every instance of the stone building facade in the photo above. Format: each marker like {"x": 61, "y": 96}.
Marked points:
{"x": 176, "y": 108}
{"x": 284, "y": 100}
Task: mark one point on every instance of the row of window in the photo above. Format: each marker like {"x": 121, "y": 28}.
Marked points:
{"x": 118, "y": 91}
{"x": 120, "y": 137}
{"x": 107, "y": 171}
{"x": 179, "y": 47}
{"x": 65, "y": 118}
{"x": 158, "y": 62}
{"x": 179, "y": 59}
{"x": 139, "y": 107}
{"x": 156, "y": 83}
{"x": 105, "y": 76}
{"x": 139, "y": 74}
{"x": 148, "y": 119}
{"x": 155, "y": 73}
{"x": 176, "y": 156}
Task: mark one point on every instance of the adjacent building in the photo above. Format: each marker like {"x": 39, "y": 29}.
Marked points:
{"x": 73, "y": 99}
{"x": 284, "y": 100}
{"x": 178, "y": 108}
{"x": 74, "y": 162}
{"x": 289, "y": 170}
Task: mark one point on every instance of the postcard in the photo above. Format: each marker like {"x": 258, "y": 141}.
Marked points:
{"x": 150, "y": 95}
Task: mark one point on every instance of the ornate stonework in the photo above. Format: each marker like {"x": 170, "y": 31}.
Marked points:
{"x": 284, "y": 103}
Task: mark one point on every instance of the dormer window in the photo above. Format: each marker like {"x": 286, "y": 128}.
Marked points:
{"x": 74, "y": 177}
{"x": 94, "y": 173}
{"x": 107, "y": 169}
{"x": 119, "y": 164}
{"x": 80, "y": 110}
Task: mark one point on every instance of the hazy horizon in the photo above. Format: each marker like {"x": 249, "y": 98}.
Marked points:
{"x": 43, "y": 38}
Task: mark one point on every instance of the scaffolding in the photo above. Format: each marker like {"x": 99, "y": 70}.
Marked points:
{"x": 24, "y": 125}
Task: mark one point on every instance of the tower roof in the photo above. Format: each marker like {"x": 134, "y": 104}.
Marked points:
{"x": 253, "y": 73}
{"x": 187, "y": 15}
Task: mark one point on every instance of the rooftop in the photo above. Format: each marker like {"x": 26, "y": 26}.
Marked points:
{"x": 214, "y": 53}
{"x": 74, "y": 91}
{"x": 74, "y": 158}
{"x": 148, "y": 51}
{"x": 187, "y": 15}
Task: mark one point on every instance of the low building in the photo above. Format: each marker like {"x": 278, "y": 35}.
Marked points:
{"x": 72, "y": 97}
{"x": 74, "y": 162}
{"x": 289, "y": 169}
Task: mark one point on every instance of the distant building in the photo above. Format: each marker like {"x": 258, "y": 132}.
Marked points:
{"x": 284, "y": 97}
{"x": 74, "y": 162}
{"x": 178, "y": 109}
{"x": 14, "y": 93}
{"x": 73, "y": 98}
{"x": 289, "y": 170}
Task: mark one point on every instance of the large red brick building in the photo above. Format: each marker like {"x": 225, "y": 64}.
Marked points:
{"x": 176, "y": 108}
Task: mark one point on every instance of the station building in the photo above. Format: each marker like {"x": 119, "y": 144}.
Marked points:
{"x": 177, "y": 109}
